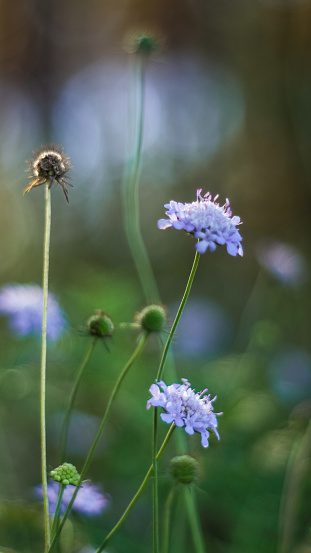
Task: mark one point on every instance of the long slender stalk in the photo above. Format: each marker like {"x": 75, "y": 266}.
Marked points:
{"x": 57, "y": 508}
{"x": 297, "y": 470}
{"x": 178, "y": 315}
{"x": 194, "y": 520}
{"x": 131, "y": 191}
{"x": 138, "y": 493}
{"x": 167, "y": 519}
{"x": 86, "y": 465}
{"x": 64, "y": 433}
{"x": 155, "y": 485}
{"x": 46, "y": 256}
{"x": 160, "y": 370}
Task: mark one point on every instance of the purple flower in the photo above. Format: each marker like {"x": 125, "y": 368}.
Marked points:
{"x": 23, "y": 304}
{"x": 284, "y": 261}
{"x": 90, "y": 498}
{"x": 209, "y": 222}
{"x": 186, "y": 408}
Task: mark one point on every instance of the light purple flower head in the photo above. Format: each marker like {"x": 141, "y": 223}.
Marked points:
{"x": 23, "y": 304}
{"x": 185, "y": 408}
{"x": 90, "y": 500}
{"x": 209, "y": 222}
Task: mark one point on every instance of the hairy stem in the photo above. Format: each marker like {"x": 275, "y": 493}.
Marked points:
{"x": 46, "y": 256}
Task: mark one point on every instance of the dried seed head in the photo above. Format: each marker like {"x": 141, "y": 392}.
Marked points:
{"x": 49, "y": 164}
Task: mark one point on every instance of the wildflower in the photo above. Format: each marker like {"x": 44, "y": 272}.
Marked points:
{"x": 185, "y": 408}
{"x": 49, "y": 163}
{"x": 209, "y": 222}
{"x": 152, "y": 318}
{"x": 100, "y": 325}
{"x": 90, "y": 499}
{"x": 23, "y": 304}
{"x": 184, "y": 469}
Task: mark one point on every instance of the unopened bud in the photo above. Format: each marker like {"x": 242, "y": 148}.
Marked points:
{"x": 152, "y": 318}
{"x": 100, "y": 325}
{"x": 184, "y": 469}
{"x": 66, "y": 474}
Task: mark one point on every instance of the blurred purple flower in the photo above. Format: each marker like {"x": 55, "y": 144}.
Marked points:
{"x": 209, "y": 222}
{"x": 203, "y": 330}
{"x": 90, "y": 500}
{"x": 282, "y": 260}
{"x": 186, "y": 408}
{"x": 23, "y": 304}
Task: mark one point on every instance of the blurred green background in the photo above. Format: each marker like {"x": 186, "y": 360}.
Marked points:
{"x": 228, "y": 110}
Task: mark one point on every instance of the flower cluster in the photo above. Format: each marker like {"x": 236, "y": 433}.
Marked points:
{"x": 185, "y": 408}
{"x": 23, "y": 304}
{"x": 90, "y": 499}
{"x": 209, "y": 222}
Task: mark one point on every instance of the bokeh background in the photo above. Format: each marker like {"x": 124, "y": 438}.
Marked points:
{"x": 228, "y": 110}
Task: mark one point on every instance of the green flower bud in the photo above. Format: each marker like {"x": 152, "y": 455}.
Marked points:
{"x": 100, "y": 325}
{"x": 184, "y": 469}
{"x": 152, "y": 318}
{"x": 66, "y": 474}
{"x": 142, "y": 42}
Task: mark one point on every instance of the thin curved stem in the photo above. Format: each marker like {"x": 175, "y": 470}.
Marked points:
{"x": 64, "y": 433}
{"x": 131, "y": 192}
{"x": 86, "y": 465}
{"x": 167, "y": 519}
{"x": 46, "y": 256}
{"x": 195, "y": 526}
{"x": 138, "y": 493}
{"x": 296, "y": 471}
{"x": 178, "y": 315}
{"x": 57, "y": 508}
{"x": 155, "y": 486}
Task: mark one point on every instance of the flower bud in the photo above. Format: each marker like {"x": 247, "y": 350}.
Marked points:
{"x": 142, "y": 42}
{"x": 66, "y": 474}
{"x": 184, "y": 469}
{"x": 100, "y": 325}
{"x": 152, "y": 318}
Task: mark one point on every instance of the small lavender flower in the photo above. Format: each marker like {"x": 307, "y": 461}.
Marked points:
{"x": 23, "y": 304}
{"x": 209, "y": 222}
{"x": 90, "y": 500}
{"x": 186, "y": 408}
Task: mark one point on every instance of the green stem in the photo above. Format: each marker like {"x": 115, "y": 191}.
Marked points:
{"x": 56, "y": 514}
{"x": 64, "y": 433}
{"x": 131, "y": 194}
{"x": 46, "y": 255}
{"x": 155, "y": 486}
{"x": 127, "y": 366}
{"x": 167, "y": 519}
{"x": 160, "y": 370}
{"x": 297, "y": 470}
{"x": 138, "y": 493}
{"x": 195, "y": 526}
{"x": 179, "y": 312}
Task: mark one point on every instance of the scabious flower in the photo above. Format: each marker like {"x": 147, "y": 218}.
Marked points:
{"x": 185, "y": 408}
{"x": 23, "y": 304}
{"x": 209, "y": 222}
{"x": 90, "y": 500}
{"x": 49, "y": 164}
